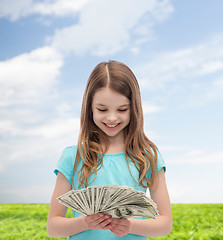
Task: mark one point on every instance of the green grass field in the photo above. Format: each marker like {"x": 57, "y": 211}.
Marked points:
{"x": 190, "y": 222}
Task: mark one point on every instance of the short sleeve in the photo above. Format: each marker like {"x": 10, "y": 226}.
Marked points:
{"x": 160, "y": 164}
{"x": 66, "y": 163}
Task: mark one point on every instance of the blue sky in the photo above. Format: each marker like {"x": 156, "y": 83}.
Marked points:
{"x": 47, "y": 51}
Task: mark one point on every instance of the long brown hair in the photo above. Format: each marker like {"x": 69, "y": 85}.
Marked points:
{"x": 138, "y": 148}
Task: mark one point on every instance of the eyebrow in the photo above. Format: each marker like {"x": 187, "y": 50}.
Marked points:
{"x": 102, "y": 105}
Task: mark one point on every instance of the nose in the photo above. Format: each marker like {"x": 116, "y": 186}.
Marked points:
{"x": 112, "y": 117}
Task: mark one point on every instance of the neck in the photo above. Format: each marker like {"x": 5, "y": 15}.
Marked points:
{"x": 115, "y": 145}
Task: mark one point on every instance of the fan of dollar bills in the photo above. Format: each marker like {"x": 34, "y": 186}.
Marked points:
{"x": 114, "y": 200}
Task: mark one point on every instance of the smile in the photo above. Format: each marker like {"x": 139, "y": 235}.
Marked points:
{"x": 111, "y": 125}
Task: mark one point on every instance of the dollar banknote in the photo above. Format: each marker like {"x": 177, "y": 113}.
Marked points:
{"x": 114, "y": 200}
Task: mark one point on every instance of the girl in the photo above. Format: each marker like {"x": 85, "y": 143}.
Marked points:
{"x": 112, "y": 149}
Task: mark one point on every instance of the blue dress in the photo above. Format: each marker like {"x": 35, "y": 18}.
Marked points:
{"x": 114, "y": 170}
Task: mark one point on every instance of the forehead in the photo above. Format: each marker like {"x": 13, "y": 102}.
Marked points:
{"x": 108, "y": 97}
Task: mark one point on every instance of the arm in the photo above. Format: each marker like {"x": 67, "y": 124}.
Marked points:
{"x": 60, "y": 226}
{"x": 161, "y": 226}
{"x": 57, "y": 223}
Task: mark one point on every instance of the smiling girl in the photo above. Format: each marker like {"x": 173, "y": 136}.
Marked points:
{"x": 112, "y": 149}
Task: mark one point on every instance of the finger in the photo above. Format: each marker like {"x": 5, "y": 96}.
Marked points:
{"x": 98, "y": 221}
{"x": 117, "y": 227}
{"x": 107, "y": 226}
{"x": 94, "y": 217}
{"x": 117, "y": 232}
{"x": 104, "y": 224}
{"x": 120, "y": 226}
{"x": 120, "y": 222}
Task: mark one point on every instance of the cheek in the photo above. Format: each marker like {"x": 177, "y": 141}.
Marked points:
{"x": 127, "y": 117}
{"x": 96, "y": 116}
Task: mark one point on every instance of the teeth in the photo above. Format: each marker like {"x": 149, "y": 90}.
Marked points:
{"x": 111, "y": 125}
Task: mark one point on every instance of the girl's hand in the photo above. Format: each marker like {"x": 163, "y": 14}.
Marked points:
{"x": 120, "y": 227}
{"x": 97, "y": 221}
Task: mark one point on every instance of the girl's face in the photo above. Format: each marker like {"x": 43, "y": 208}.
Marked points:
{"x": 111, "y": 113}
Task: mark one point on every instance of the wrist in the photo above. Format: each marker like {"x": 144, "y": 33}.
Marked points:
{"x": 131, "y": 221}
{"x": 83, "y": 223}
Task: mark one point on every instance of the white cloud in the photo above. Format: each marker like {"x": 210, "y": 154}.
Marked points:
{"x": 105, "y": 27}
{"x": 214, "y": 91}
{"x": 218, "y": 83}
{"x": 51, "y": 129}
{"x": 149, "y": 108}
{"x": 55, "y": 129}
{"x": 197, "y": 157}
{"x": 14, "y": 9}
{"x": 7, "y": 125}
{"x": 32, "y": 143}
{"x": 198, "y": 192}
{"x": 168, "y": 148}
{"x": 178, "y": 192}
{"x": 211, "y": 66}
{"x": 59, "y": 7}
{"x": 190, "y": 188}
{"x": 30, "y": 76}
{"x": 1, "y": 167}
{"x": 28, "y": 122}
{"x": 174, "y": 67}
{"x": 27, "y": 194}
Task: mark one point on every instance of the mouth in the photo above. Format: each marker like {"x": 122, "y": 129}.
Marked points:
{"x": 111, "y": 126}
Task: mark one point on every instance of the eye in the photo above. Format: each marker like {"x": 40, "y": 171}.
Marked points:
{"x": 102, "y": 110}
{"x": 123, "y": 110}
